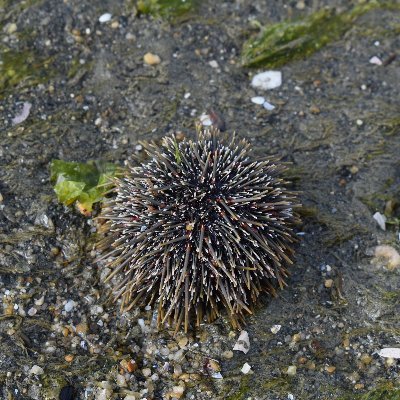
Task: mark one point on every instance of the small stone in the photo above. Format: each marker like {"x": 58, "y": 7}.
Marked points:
{"x": 359, "y": 122}
{"x": 315, "y": 110}
{"x": 151, "y": 59}
{"x": 301, "y": 5}
{"x": 267, "y": 80}
{"x": 359, "y": 386}
{"x": 228, "y": 354}
{"x": 366, "y": 359}
{"x": 182, "y": 342}
{"x": 275, "y": 329}
{"x": 258, "y": 100}
{"x": 354, "y": 169}
{"x": 82, "y": 328}
{"x": 330, "y": 369}
{"x": 390, "y": 352}
{"x": 32, "y": 311}
{"x": 40, "y": 301}
{"x": 121, "y": 381}
{"x": 268, "y": 106}
{"x": 213, "y": 64}
{"x": 11, "y": 28}
{"x": 292, "y": 370}
{"x": 246, "y": 368}
{"x": 380, "y": 219}
{"x": 69, "y": 306}
{"x": 177, "y": 391}
{"x": 105, "y": 18}
{"x": 296, "y": 337}
{"x": 146, "y": 372}
{"x": 115, "y": 24}
{"x": 69, "y": 357}
{"x": 36, "y": 370}
{"x": 375, "y": 60}
{"x": 346, "y": 343}
{"x": 328, "y": 283}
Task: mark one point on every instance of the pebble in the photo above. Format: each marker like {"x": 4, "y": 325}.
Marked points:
{"x": 11, "y": 28}
{"x": 115, "y": 24}
{"x": 36, "y": 370}
{"x": 375, "y": 60}
{"x": 69, "y": 305}
{"x": 390, "y": 352}
{"x": 151, "y": 59}
{"x": 315, "y": 110}
{"x": 330, "y": 369}
{"x": 205, "y": 120}
{"x": 380, "y": 219}
{"x": 32, "y": 311}
{"x": 69, "y": 357}
{"x": 275, "y": 329}
{"x": 292, "y": 370}
{"x": 177, "y": 391}
{"x": 105, "y": 18}
{"x": 268, "y": 106}
{"x": 146, "y": 372}
{"x": 135, "y": 396}
{"x": 267, "y": 80}
{"x": 121, "y": 381}
{"x": 258, "y": 100}
{"x": 228, "y": 354}
{"x": 40, "y": 301}
{"x": 213, "y": 64}
{"x": 359, "y": 122}
{"x": 246, "y": 368}
{"x": 82, "y": 328}
{"x": 328, "y": 283}
{"x": 182, "y": 342}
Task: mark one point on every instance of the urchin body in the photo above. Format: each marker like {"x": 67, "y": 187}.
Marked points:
{"x": 199, "y": 228}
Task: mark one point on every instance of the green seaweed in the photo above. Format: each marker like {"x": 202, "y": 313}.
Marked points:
{"x": 166, "y": 8}
{"x": 84, "y": 183}
{"x": 243, "y": 389}
{"x": 286, "y": 41}
{"x": 22, "y": 69}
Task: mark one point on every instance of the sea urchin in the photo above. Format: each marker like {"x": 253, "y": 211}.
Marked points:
{"x": 198, "y": 228}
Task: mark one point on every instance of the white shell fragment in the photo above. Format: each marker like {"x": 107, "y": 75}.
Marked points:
{"x": 205, "y": 120}
{"x": 275, "y": 329}
{"x": 375, "y": 60}
{"x": 381, "y": 220}
{"x": 390, "y": 254}
{"x": 246, "y": 368}
{"x": 390, "y": 352}
{"x": 267, "y": 80}
{"x": 243, "y": 342}
{"x": 258, "y": 100}
{"x": 217, "y": 375}
{"x": 105, "y": 18}
{"x": 23, "y": 115}
{"x": 268, "y": 106}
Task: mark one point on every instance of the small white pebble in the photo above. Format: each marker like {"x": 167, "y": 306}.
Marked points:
{"x": 291, "y": 371}
{"x": 40, "y": 301}
{"x": 390, "y": 352}
{"x": 246, "y": 368}
{"x": 267, "y": 80}
{"x": 146, "y": 372}
{"x": 380, "y": 219}
{"x": 275, "y": 329}
{"x": 258, "y": 100}
{"x": 32, "y": 311}
{"x": 377, "y": 43}
{"x": 359, "y": 122}
{"x": 105, "y": 18}
{"x": 213, "y": 64}
{"x": 363, "y": 87}
{"x": 205, "y": 120}
{"x": 36, "y": 370}
{"x": 268, "y": 106}
{"x": 375, "y": 60}
{"x": 186, "y": 95}
{"x": 69, "y": 305}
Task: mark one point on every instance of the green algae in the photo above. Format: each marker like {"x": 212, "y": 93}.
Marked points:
{"x": 168, "y": 9}
{"x": 286, "y": 41}
{"x": 84, "y": 183}
{"x": 22, "y": 69}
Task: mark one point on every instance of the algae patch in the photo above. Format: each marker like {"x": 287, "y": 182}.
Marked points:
{"x": 166, "y": 8}
{"x": 85, "y": 183}
{"x": 22, "y": 69}
{"x": 286, "y": 41}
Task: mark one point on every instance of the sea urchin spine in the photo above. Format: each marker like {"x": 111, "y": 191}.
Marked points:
{"x": 199, "y": 228}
